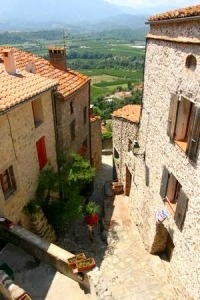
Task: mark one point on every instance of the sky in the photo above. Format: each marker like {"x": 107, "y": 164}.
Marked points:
{"x": 154, "y": 5}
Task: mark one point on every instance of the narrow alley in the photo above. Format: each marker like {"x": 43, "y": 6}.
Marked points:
{"x": 125, "y": 270}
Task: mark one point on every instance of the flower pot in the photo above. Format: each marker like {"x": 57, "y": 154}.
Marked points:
{"x": 24, "y": 297}
{"x": 86, "y": 264}
{"x": 117, "y": 188}
{"x": 75, "y": 259}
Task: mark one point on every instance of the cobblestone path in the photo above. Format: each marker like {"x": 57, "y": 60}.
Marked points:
{"x": 125, "y": 271}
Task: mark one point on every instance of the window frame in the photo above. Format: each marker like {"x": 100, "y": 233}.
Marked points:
{"x": 190, "y": 142}
{"x": 11, "y": 188}
{"x": 181, "y": 203}
{"x": 71, "y": 107}
{"x": 37, "y": 109}
{"x": 73, "y": 130}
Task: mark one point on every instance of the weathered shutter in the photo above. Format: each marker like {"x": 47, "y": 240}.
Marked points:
{"x": 164, "y": 182}
{"x": 181, "y": 208}
{"x": 172, "y": 115}
{"x": 41, "y": 151}
{"x": 194, "y": 134}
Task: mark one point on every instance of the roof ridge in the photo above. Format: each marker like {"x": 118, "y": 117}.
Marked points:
{"x": 188, "y": 11}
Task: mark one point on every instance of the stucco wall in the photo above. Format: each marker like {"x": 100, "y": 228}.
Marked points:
{"x": 18, "y": 137}
{"x": 80, "y": 99}
{"x": 165, "y": 72}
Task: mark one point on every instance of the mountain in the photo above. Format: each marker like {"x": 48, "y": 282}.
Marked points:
{"x": 126, "y": 21}
{"x": 67, "y": 11}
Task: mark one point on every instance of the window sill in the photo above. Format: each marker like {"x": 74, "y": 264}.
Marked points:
{"x": 181, "y": 144}
{"x": 38, "y": 123}
{"x": 170, "y": 206}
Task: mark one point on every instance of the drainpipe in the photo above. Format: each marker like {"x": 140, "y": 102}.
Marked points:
{"x": 90, "y": 143}
{"x": 55, "y": 124}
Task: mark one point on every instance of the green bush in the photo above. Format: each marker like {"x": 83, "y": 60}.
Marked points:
{"x": 106, "y": 135}
{"x": 75, "y": 173}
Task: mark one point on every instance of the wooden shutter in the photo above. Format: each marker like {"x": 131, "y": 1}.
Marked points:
{"x": 181, "y": 208}
{"x": 164, "y": 182}
{"x": 41, "y": 151}
{"x": 172, "y": 115}
{"x": 12, "y": 177}
{"x": 194, "y": 134}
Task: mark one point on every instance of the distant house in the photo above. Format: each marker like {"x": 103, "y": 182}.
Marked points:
{"x": 27, "y": 134}
{"x": 125, "y": 122}
{"x": 72, "y": 100}
{"x": 165, "y": 178}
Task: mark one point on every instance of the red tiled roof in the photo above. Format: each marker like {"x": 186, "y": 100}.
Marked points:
{"x": 94, "y": 118}
{"x": 129, "y": 112}
{"x": 178, "y": 13}
{"x": 69, "y": 80}
{"x": 20, "y": 87}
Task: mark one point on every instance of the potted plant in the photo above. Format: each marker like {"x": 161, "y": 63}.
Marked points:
{"x": 117, "y": 187}
{"x": 91, "y": 208}
{"x": 91, "y": 217}
{"x": 75, "y": 259}
{"x": 85, "y": 264}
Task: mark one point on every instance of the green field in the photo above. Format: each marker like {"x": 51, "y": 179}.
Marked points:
{"x": 106, "y": 81}
{"x": 110, "y": 63}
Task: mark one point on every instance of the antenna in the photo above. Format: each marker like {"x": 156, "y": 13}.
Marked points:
{"x": 65, "y": 36}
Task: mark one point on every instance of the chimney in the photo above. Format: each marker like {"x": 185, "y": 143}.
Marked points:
{"x": 9, "y": 61}
{"x": 57, "y": 55}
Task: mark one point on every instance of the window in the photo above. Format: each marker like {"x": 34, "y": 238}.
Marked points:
{"x": 71, "y": 107}
{"x": 37, "y": 112}
{"x": 174, "y": 197}
{"x": 116, "y": 157}
{"x": 72, "y": 130}
{"x": 85, "y": 115}
{"x": 191, "y": 62}
{"x": 8, "y": 182}
{"x": 84, "y": 148}
{"x": 41, "y": 151}
{"x": 184, "y": 125}
{"x": 130, "y": 145}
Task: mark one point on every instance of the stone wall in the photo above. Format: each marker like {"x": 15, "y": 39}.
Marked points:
{"x": 18, "y": 137}
{"x": 96, "y": 141}
{"x": 79, "y": 100}
{"x": 166, "y": 72}
{"x": 41, "y": 227}
{"x": 123, "y": 131}
{"x": 44, "y": 251}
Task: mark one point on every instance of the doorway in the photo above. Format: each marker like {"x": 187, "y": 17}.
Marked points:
{"x": 128, "y": 182}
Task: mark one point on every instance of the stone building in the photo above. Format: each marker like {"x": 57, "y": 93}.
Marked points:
{"x": 27, "y": 134}
{"x": 125, "y": 123}
{"x": 96, "y": 140}
{"x": 71, "y": 101}
{"x": 165, "y": 185}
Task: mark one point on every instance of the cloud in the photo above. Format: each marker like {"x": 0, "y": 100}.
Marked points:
{"x": 147, "y": 4}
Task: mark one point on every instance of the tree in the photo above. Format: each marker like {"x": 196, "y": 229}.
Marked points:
{"x": 74, "y": 173}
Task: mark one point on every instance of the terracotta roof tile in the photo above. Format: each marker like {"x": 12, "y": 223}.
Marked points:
{"x": 69, "y": 80}
{"x": 94, "y": 118}
{"x": 20, "y": 87}
{"x": 178, "y": 13}
{"x": 129, "y": 112}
